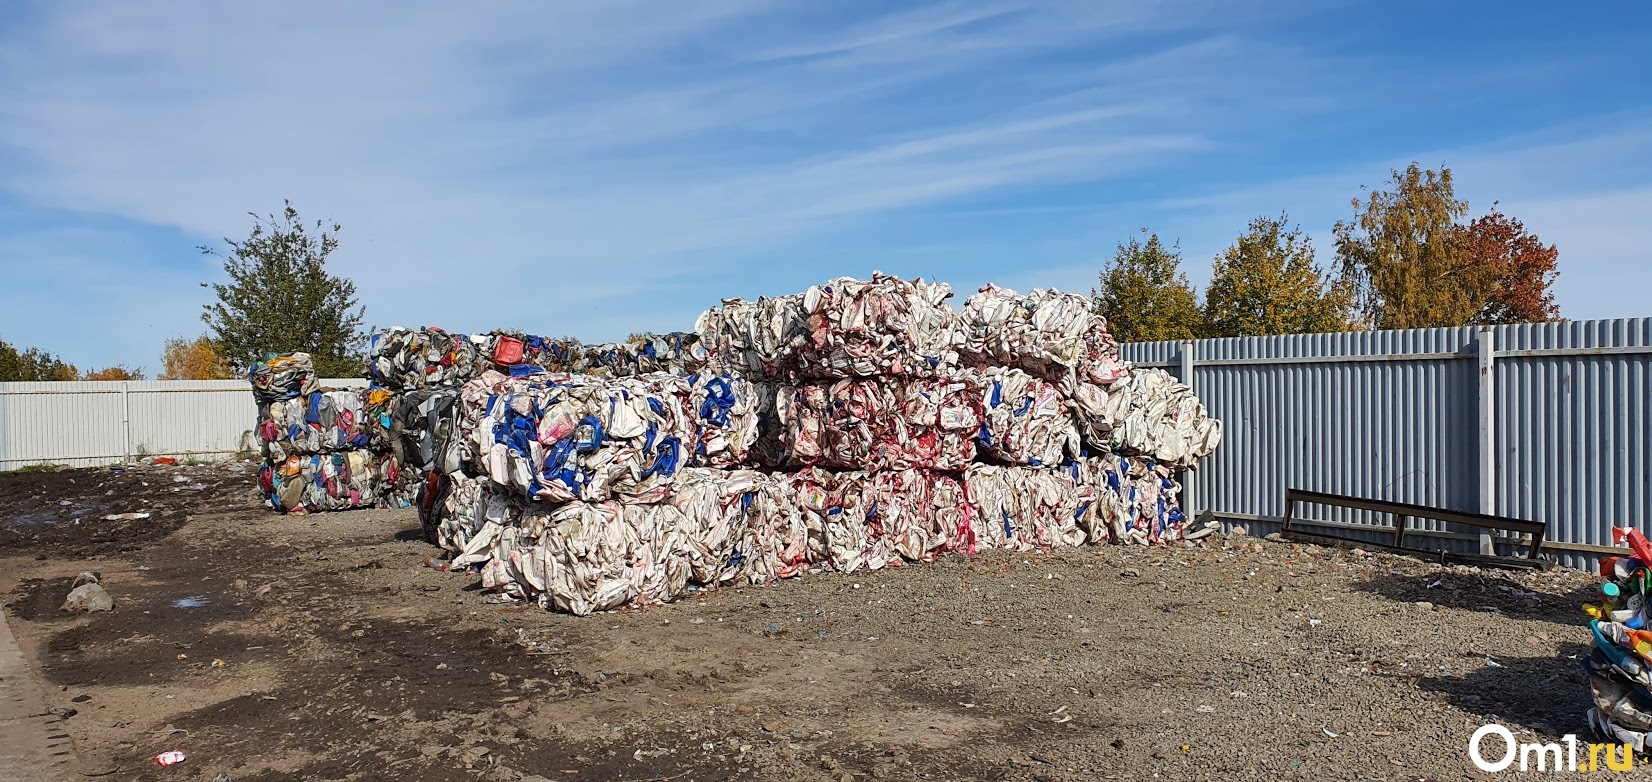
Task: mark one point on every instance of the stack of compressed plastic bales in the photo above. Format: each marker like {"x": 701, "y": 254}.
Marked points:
{"x": 587, "y": 492}
{"x": 857, "y": 425}
{"x": 1134, "y": 427}
{"x": 323, "y": 449}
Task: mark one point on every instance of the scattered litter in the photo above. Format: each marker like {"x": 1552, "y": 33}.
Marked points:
{"x": 1328, "y": 733}
{"x": 126, "y": 517}
{"x": 170, "y": 758}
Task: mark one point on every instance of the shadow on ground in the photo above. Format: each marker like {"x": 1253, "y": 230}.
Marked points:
{"x": 1490, "y": 591}
{"x": 1546, "y": 694}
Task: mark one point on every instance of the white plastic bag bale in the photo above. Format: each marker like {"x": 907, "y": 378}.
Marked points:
{"x": 879, "y": 327}
{"x": 810, "y": 491}
{"x": 1022, "y": 508}
{"x": 854, "y": 539}
{"x": 752, "y": 339}
{"x": 1025, "y": 420}
{"x": 601, "y": 556}
{"x": 320, "y": 422}
{"x": 458, "y": 511}
{"x": 405, "y": 359}
{"x": 882, "y": 423}
{"x": 283, "y": 376}
{"x": 1053, "y": 335}
{"x": 560, "y": 438}
{"x": 781, "y": 539}
{"x": 921, "y": 513}
{"x": 1153, "y": 414}
{"x": 726, "y": 415}
{"x": 717, "y": 508}
{"x": 336, "y": 481}
{"x": 1127, "y": 500}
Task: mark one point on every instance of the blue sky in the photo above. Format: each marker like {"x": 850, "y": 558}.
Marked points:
{"x": 592, "y": 169}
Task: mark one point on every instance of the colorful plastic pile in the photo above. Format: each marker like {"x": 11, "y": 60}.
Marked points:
{"x": 1620, "y": 661}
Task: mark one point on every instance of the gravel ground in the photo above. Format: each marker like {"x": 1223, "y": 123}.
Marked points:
{"x": 319, "y": 648}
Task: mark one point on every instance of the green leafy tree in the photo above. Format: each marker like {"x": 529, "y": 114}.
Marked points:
{"x": 1144, "y": 295}
{"x": 280, "y": 298}
{"x": 1267, "y": 283}
{"x": 1404, "y": 255}
{"x": 33, "y": 365}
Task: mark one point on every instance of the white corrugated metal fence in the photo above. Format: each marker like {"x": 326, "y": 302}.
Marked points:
{"x": 90, "y": 423}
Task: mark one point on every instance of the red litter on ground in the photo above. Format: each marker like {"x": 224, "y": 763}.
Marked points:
{"x": 170, "y": 758}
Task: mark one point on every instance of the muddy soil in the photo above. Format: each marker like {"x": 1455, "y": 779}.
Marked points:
{"x": 64, "y": 513}
{"x": 319, "y": 648}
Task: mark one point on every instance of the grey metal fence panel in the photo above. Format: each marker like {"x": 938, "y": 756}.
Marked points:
{"x": 1396, "y": 415}
{"x": 1574, "y": 430}
{"x": 91, "y": 423}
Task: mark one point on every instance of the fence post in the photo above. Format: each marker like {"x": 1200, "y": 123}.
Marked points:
{"x": 1486, "y": 347}
{"x": 1189, "y": 500}
{"x": 126, "y": 422}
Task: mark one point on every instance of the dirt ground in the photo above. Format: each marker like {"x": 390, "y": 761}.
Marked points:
{"x": 319, "y": 648}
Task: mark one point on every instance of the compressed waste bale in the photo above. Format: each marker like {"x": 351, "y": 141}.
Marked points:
{"x": 677, "y": 353}
{"x": 518, "y": 353}
{"x": 859, "y": 520}
{"x": 837, "y": 503}
{"x": 578, "y": 557}
{"x": 582, "y": 557}
{"x": 1025, "y": 420}
{"x": 449, "y": 506}
{"x": 1153, "y": 414}
{"x": 1053, "y": 335}
{"x": 1127, "y": 500}
{"x": 716, "y": 508}
{"x": 559, "y": 438}
{"x": 283, "y": 376}
{"x": 885, "y": 326}
{"x": 315, "y": 423}
{"x": 726, "y": 420}
{"x": 1022, "y": 508}
{"x": 753, "y": 339}
{"x": 401, "y": 358}
{"x": 425, "y": 428}
{"x": 780, "y": 540}
{"x": 336, "y": 481}
{"x": 882, "y": 423}
{"x": 921, "y": 513}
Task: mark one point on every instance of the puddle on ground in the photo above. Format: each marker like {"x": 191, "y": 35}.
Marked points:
{"x": 33, "y": 520}
{"x": 193, "y": 601}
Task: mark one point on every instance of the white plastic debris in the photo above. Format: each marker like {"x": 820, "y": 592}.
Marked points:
{"x": 1048, "y": 333}
{"x": 881, "y": 424}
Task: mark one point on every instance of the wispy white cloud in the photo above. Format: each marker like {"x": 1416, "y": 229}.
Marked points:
{"x": 581, "y": 161}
